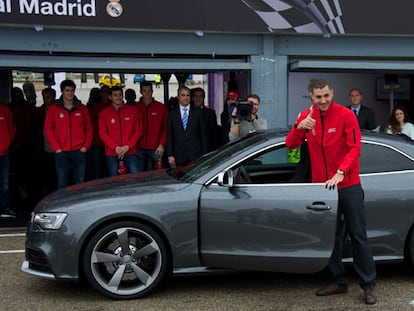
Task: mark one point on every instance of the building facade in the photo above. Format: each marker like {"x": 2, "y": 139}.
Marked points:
{"x": 272, "y": 47}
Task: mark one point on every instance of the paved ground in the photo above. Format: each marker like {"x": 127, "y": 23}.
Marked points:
{"x": 231, "y": 291}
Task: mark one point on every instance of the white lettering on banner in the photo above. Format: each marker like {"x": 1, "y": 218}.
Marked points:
{"x": 5, "y": 6}
{"x": 60, "y": 8}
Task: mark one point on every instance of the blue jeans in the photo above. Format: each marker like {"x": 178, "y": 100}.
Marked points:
{"x": 130, "y": 161}
{"x": 65, "y": 163}
{"x": 143, "y": 156}
{"x": 4, "y": 181}
{"x": 351, "y": 220}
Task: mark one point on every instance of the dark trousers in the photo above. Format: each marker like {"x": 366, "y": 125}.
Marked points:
{"x": 351, "y": 220}
{"x": 143, "y": 156}
{"x": 4, "y": 181}
{"x": 67, "y": 161}
{"x": 96, "y": 163}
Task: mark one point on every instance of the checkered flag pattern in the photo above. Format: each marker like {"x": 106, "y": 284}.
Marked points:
{"x": 300, "y": 16}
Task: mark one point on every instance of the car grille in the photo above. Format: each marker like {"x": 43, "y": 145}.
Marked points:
{"x": 37, "y": 261}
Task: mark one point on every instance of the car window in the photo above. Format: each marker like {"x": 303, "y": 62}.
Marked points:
{"x": 276, "y": 165}
{"x": 379, "y": 158}
{"x": 208, "y": 161}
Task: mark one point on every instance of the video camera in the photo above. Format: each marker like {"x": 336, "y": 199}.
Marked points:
{"x": 244, "y": 109}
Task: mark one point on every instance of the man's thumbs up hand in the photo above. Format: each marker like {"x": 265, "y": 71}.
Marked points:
{"x": 308, "y": 123}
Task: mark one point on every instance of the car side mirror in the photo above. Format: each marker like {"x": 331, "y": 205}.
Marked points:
{"x": 225, "y": 178}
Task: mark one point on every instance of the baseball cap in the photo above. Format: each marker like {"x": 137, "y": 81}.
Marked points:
{"x": 232, "y": 95}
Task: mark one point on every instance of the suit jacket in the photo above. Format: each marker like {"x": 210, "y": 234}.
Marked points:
{"x": 186, "y": 145}
{"x": 210, "y": 128}
{"x": 366, "y": 118}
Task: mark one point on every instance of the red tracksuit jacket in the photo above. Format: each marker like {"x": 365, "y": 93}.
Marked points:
{"x": 68, "y": 130}
{"x": 119, "y": 128}
{"x": 154, "y": 119}
{"x": 7, "y": 129}
{"x": 334, "y": 143}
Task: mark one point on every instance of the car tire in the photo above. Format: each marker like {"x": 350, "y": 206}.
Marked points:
{"x": 125, "y": 260}
{"x": 409, "y": 258}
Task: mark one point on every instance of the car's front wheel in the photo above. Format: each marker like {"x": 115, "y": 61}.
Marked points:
{"x": 125, "y": 260}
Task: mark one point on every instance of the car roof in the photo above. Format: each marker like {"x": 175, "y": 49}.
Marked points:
{"x": 402, "y": 142}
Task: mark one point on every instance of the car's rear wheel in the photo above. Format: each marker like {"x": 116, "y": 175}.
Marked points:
{"x": 125, "y": 260}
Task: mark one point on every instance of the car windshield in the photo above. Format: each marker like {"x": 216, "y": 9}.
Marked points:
{"x": 208, "y": 161}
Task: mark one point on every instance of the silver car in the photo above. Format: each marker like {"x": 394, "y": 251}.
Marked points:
{"x": 247, "y": 206}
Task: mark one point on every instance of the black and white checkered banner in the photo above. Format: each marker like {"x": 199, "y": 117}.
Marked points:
{"x": 315, "y": 16}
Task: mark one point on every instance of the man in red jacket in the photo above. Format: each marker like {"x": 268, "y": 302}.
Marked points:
{"x": 120, "y": 128}
{"x": 69, "y": 131}
{"x": 334, "y": 141}
{"x": 7, "y": 132}
{"x": 154, "y": 117}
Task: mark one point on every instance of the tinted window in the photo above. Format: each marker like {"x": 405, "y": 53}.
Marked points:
{"x": 377, "y": 158}
{"x": 274, "y": 166}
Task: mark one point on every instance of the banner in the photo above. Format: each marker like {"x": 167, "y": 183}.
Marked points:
{"x": 242, "y": 16}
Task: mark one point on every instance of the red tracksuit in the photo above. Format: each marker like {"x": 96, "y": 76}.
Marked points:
{"x": 154, "y": 117}
{"x": 7, "y": 129}
{"x": 68, "y": 130}
{"x": 334, "y": 143}
{"x": 119, "y": 128}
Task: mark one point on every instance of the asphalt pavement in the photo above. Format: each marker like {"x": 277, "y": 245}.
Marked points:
{"x": 222, "y": 291}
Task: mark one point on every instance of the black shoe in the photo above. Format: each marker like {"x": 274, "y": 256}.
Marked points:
{"x": 7, "y": 214}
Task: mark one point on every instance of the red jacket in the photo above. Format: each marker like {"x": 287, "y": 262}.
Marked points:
{"x": 334, "y": 143}
{"x": 7, "y": 129}
{"x": 69, "y": 130}
{"x": 119, "y": 128}
{"x": 154, "y": 118}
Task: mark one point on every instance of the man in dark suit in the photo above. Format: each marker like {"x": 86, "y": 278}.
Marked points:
{"x": 209, "y": 117}
{"x": 186, "y": 140}
{"x": 365, "y": 115}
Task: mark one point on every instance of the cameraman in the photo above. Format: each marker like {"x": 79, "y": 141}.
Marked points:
{"x": 241, "y": 127}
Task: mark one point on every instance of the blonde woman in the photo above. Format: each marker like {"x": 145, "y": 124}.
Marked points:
{"x": 399, "y": 123}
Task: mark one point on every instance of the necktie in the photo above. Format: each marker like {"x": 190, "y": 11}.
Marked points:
{"x": 185, "y": 118}
{"x": 356, "y": 112}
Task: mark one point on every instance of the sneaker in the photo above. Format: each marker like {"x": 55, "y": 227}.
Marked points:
{"x": 7, "y": 214}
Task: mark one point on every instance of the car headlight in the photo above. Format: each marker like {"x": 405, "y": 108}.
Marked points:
{"x": 49, "y": 221}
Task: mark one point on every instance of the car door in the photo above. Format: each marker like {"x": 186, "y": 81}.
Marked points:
{"x": 387, "y": 177}
{"x": 266, "y": 219}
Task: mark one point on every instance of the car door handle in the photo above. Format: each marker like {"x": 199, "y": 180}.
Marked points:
{"x": 318, "y": 206}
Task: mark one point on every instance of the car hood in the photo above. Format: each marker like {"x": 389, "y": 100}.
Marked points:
{"x": 148, "y": 182}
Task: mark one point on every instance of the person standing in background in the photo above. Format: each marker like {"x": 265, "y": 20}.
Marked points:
{"x": 400, "y": 123}
{"x": 69, "y": 130}
{"x": 365, "y": 115}
{"x": 44, "y": 177}
{"x": 120, "y": 128}
{"x": 186, "y": 140}
{"x": 209, "y": 117}
{"x": 130, "y": 97}
{"x": 7, "y": 132}
{"x": 225, "y": 118}
{"x": 95, "y": 158}
{"x": 240, "y": 128}
{"x": 29, "y": 90}
{"x": 157, "y": 79}
{"x": 151, "y": 147}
